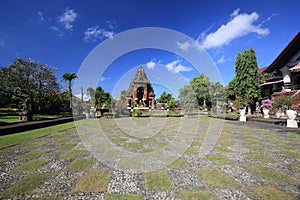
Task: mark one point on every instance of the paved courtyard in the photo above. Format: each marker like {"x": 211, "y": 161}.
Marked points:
{"x": 161, "y": 158}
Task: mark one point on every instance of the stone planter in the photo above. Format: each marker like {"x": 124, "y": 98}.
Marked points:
{"x": 266, "y": 112}
{"x": 291, "y": 116}
{"x": 242, "y": 114}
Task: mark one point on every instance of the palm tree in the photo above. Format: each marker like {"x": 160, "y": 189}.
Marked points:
{"x": 69, "y": 77}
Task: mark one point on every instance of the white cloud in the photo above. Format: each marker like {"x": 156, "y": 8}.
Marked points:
{"x": 184, "y": 46}
{"x": 240, "y": 25}
{"x": 102, "y": 78}
{"x": 85, "y": 96}
{"x": 235, "y": 12}
{"x": 67, "y": 18}
{"x": 58, "y": 32}
{"x": 181, "y": 68}
{"x": 95, "y": 33}
{"x": 40, "y": 14}
{"x": 54, "y": 28}
{"x": 221, "y": 60}
{"x": 176, "y": 67}
{"x": 2, "y": 42}
{"x": 151, "y": 64}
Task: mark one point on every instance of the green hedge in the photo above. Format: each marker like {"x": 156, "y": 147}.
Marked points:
{"x": 141, "y": 115}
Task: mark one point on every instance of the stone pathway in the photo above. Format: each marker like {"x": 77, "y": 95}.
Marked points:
{"x": 173, "y": 158}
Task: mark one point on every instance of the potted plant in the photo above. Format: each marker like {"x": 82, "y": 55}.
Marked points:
{"x": 291, "y": 112}
{"x": 241, "y": 103}
{"x": 266, "y": 105}
{"x": 277, "y": 105}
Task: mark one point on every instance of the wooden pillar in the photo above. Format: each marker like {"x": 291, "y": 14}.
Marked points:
{"x": 152, "y": 102}
{"x": 145, "y": 93}
{"x": 135, "y": 95}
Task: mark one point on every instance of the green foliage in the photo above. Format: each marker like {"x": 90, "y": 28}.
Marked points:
{"x": 172, "y": 103}
{"x": 230, "y": 93}
{"x": 188, "y": 96}
{"x": 164, "y": 97}
{"x": 27, "y": 79}
{"x": 246, "y": 70}
{"x": 200, "y": 85}
{"x": 122, "y": 97}
{"x": 263, "y": 77}
{"x": 100, "y": 98}
{"x": 69, "y": 77}
{"x": 241, "y": 102}
{"x": 201, "y": 91}
{"x": 175, "y": 115}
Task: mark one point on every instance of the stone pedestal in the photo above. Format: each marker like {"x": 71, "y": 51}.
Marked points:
{"x": 243, "y": 118}
{"x": 291, "y": 123}
{"x": 242, "y": 115}
{"x": 266, "y": 113}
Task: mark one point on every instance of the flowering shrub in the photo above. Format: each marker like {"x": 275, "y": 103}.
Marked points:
{"x": 241, "y": 103}
{"x": 266, "y": 103}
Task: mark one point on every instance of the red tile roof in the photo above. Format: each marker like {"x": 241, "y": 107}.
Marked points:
{"x": 261, "y": 70}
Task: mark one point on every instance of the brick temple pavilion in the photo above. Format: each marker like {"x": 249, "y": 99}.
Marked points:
{"x": 140, "y": 93}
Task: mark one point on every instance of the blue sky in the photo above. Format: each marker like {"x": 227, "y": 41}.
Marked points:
{"x": 63, "y": 33}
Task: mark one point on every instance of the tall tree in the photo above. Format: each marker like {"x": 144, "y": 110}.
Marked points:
{"x": 99, "y": 97}
{"x": 28, "y": 79}
{"x": 188, "y": 96}
{"x": 164, "y": 97}
{"x": 69, "y": 77}
{"x": 246, "y": 74}
{"x": 201, "y": 91}
{"x": 91, "y": 93}
{"x": 230, "y": 93}
{"x": 122, "y": 97}
{"x": 200, "y": 85}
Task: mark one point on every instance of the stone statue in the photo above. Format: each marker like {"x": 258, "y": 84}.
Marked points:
{"x": 27, "y": 111}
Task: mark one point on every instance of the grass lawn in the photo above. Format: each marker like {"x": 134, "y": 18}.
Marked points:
{"x": 15, "y": 118}
{"x": 72, "y": 154}
{"x": 218, "y": 159}
{"x": 62, "y": 151}
{"x": 157, "y": 180}
{"x": 9, "y": 119}
{"x": 270, "y": 174}
{"x": 94, "y": 181}
{"x": 179, "y": 163}
{"x": 195, "y": 195}
{"x": 30, "y": 166}
{"x": 80, "y": 164}
{"x": 215, "y": 177}
{"x": 28, "y": 184}
{"x": 271, "y": 192}
{"x": 124, "y": 197}
{"x": 33, "y": 154}
{"x": 8, "y": 140}
{"x": 260, "y": 158}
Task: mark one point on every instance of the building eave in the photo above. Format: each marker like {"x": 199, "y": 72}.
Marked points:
{"x": 286, "y": 54}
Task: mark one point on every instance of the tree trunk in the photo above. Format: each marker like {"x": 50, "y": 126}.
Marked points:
{"x": 70, "y": 91}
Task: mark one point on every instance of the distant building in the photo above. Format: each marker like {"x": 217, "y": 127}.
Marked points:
{"x": 284, "y": 71}
{"x": 140, "y": 92}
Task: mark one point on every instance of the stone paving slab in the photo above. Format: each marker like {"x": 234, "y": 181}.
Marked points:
{"x": 249, "y": 160}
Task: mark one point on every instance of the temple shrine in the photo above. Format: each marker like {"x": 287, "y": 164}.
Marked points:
{"x": 140, "y": 93}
